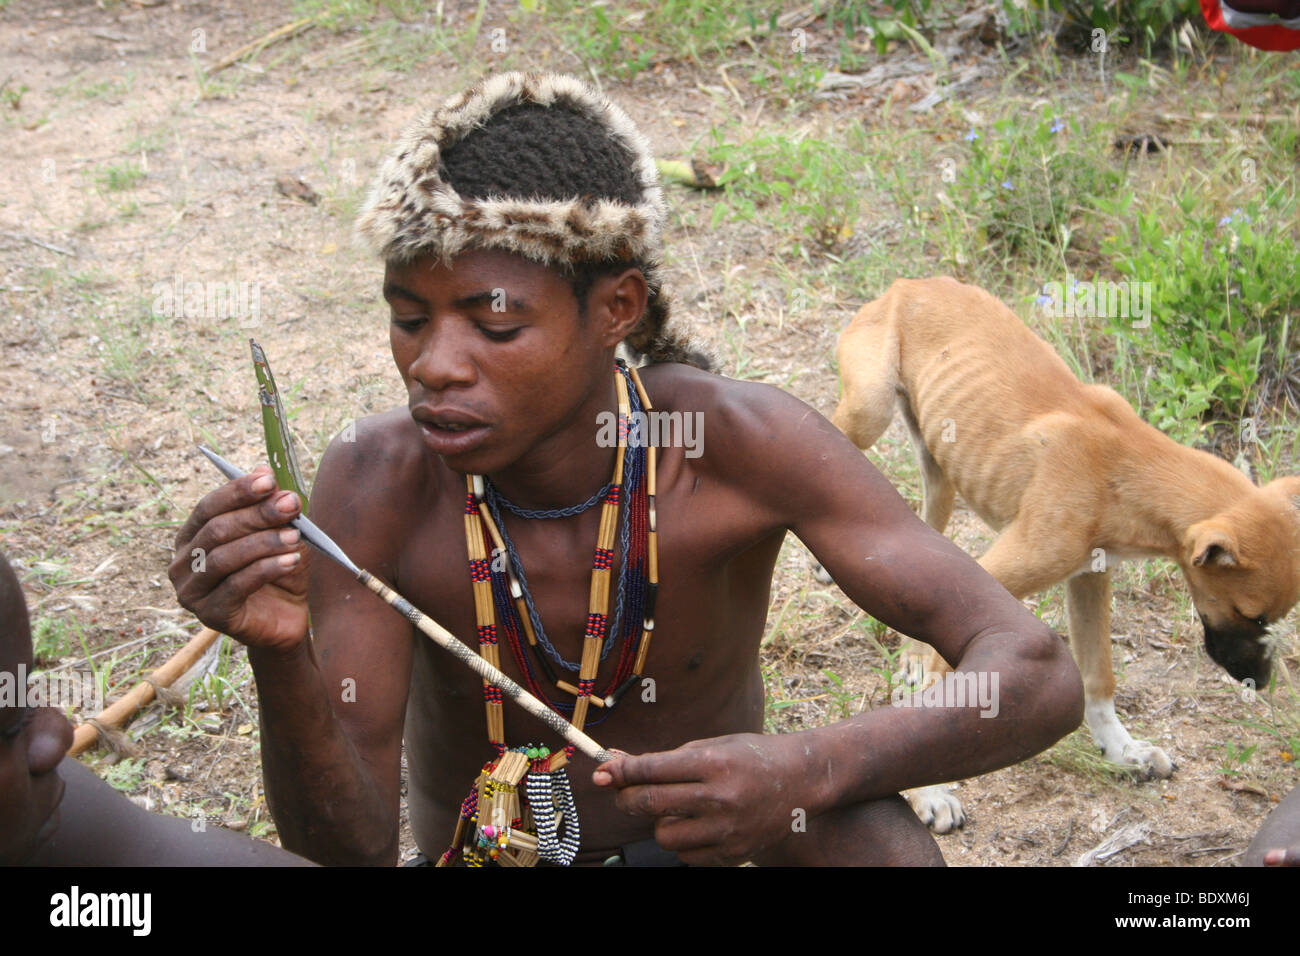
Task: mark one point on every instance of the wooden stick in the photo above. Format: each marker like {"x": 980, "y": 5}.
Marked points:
{"x": 21, "y": 237}
{"x": 318, "y": 539}
{"x": 256, "y": 46}
{"x": 84, "y": 737}
{"x": 448, "y": 641}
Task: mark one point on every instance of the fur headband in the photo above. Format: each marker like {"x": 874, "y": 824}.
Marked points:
{"x": 412, "y": 211}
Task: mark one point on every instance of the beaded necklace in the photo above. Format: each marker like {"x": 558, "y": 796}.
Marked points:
{"x": 495, "y": 826}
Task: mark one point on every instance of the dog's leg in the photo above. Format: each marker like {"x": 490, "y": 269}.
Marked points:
{"x": 922, "y": 665}
{"x": 869, "y": 386}
{"x": 1087, "y": 601}
{"x": 1024, "y": 561}
{"x": 1006, "y": 561}
{"x": 939, "y": 493}
{"x": 868, "y": 358}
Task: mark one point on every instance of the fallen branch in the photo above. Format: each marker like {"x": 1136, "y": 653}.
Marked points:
{"x": 114, "y": 716}
{"x": 1117, "y": 842}
{"x": 285, "y": 32}
{"x": 1255, "y": 118}
{"x": 22, "y": 237}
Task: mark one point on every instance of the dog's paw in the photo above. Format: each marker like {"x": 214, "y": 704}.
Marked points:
{"x": 1144, "y": 756}
{"x": 937, "y": 808}
{"x": 821, "y": 575}
{"x": 1119, "y": 747}
{"x": 914, "y": 674}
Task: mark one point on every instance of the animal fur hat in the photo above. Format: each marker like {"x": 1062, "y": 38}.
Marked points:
{"x": 412, "y": 210}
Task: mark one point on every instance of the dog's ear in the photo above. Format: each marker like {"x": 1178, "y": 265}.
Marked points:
{"x": 1288, "y": 487}
{"x": 1209, "y": 542}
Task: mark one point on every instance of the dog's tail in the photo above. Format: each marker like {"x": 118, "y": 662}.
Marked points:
{"x": 868, "y": 357}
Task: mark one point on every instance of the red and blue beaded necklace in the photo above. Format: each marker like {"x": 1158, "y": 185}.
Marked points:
{"x": 503, "y": 604}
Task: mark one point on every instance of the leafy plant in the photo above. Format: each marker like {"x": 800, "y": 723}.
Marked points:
{"x": 1150, "y": 23}
{"x": 51, "y": 638}
{"x": 1022, "y": 183}
{"x": 1235, "y": 758}
{"x": 843, "y": 699}
{"x": 1225, "y": 304}
{"x": 624, "y": 39}
{"x": 117, "y": 178}
{"x": 125, "y": 775}
{"x": 802, "y": 179}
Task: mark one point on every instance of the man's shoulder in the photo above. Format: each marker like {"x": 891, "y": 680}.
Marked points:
{"x": 736, "y": 418}
{"x": 678, "y": 387}
{"x": 380, "y": 453}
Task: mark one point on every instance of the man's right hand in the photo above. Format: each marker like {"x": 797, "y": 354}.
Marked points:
{"x": 239, "y": 565}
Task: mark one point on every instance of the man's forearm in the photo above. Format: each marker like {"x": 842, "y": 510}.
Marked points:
{"x": 323, "y": 797}
{"x": 1027, "y": 687}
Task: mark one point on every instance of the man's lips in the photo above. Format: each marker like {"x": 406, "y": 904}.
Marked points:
{"x": 448, "y": 431}
{"x": 447, "y": 419}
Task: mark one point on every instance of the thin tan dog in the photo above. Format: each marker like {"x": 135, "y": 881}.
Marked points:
{"x": 1075, "y": 482}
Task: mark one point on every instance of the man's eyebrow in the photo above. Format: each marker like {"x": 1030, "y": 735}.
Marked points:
{"x": 492, "y": 297}
{"x": 487, "y": 297}
{"x": 394, "y": 291}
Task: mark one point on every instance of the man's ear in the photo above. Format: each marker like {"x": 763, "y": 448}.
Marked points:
{"x": 1210, "y": 542}
{"x": 617, "y": 303}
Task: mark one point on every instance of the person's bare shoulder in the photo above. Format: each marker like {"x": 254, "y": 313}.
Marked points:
{"x": 372, "y": 474}
{"x": 375, "y": 451}
{"x": 744, "y": 427}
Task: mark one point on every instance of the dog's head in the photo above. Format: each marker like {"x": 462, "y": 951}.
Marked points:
{"x": 1243, "y": 569}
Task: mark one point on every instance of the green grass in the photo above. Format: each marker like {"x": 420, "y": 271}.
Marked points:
{"x": 339, "y": 14}
{"x": 1226, "y": 312}
{"x": 52, "y": 638}
{"x": 12, "y": 96}
{"x": 624, "y": 39}
{"x": 150, "y": 141}
{"x": 120, "y": 177}
{"x": 1079, "y": 754}
{"x": 126, "y": 775}
{"x": 790, "y": 183}
{"x": 90, "y": 90}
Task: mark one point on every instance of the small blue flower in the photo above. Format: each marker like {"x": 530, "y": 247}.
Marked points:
{"x": 1226, "y": 220}
{"x": 972, "y": 135}
{"x": 1006, "y": 184}
{"x": 1043, "y": 301}
{"x": 1058, "y": 125}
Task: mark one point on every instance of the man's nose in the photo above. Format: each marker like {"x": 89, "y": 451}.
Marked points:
{"x": 446, "y": 360}
{"x": 49, "y": 738}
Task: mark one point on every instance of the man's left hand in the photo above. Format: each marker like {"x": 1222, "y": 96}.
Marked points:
{"x": 716, "y": 801}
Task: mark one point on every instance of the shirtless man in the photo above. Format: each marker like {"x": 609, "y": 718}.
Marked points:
{"x": 508, "y": 298}
{"x": 57, "y": 812}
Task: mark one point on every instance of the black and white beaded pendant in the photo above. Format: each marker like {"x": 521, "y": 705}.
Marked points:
{"x": 551, "y": 800}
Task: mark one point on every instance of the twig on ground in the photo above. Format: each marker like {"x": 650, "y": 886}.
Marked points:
{"x": 114, "y": 716}
{"x": 277, "y": 35}
{"x": 23, "y": 237}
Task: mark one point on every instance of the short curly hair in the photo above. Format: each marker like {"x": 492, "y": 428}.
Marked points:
{"x": 532, "y": 152}
{"x": 539, "y": 165}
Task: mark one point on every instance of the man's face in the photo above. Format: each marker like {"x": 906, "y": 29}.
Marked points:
{"x": 32, "y": 742}
{"x": 494, "y": 356}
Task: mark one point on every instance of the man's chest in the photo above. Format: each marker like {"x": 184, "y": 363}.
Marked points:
{"x": 713, "y": 568}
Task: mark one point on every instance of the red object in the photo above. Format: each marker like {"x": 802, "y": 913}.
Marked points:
{"x": 1272, "y": 37}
